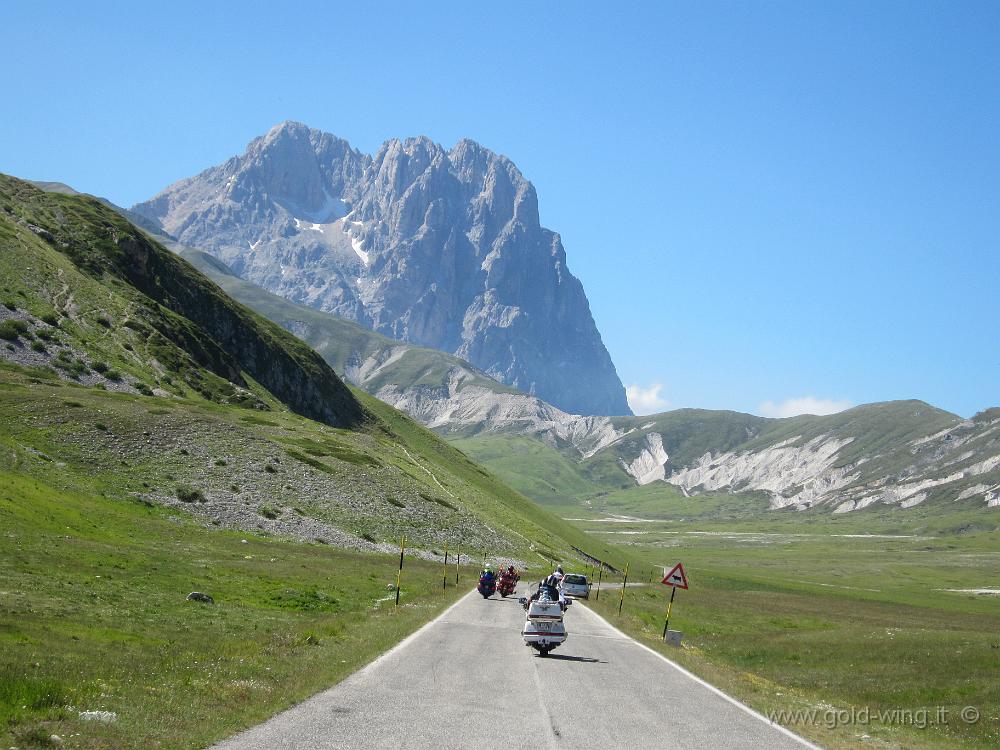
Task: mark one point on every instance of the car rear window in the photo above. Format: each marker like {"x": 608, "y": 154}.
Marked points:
{"x": 575, "y": 579}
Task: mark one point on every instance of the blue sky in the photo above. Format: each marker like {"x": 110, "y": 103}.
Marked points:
{"x": 774, "y": 207}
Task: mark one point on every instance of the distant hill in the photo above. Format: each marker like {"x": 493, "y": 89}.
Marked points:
{"x": 898, "y": 453}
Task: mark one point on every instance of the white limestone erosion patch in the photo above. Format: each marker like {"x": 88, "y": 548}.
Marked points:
{"x": 983, "y": 467}
{"x": 650, "y": 464}
{"x": 909, "y": 494}
{"x": 372, "y": 367}
{"x": 848, "y": 505}
{"x": 793, "y": 475}
{"x": 460, "y": 404}
{"x": 976, "y": 489}
{"x": 915, "y": 500}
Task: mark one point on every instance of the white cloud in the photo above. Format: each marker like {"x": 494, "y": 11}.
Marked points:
{"x": 645, "y": 400}
{"x": 792, "y": 407}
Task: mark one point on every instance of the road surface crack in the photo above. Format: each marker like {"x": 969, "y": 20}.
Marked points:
{"x": 551, "y": 739}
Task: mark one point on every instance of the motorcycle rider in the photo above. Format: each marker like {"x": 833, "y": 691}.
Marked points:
{"x": 508, "y": 579}
{"x": 548, "y": 589}
{"x": 487, "y": 582}
{"x": 555, "y": 579}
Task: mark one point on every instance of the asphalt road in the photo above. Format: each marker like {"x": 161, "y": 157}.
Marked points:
{"x": 467, "y": 681}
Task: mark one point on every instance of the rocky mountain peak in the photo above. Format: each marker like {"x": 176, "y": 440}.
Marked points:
{"x": 438, "y": 248}
{"x": 284, "y": 163}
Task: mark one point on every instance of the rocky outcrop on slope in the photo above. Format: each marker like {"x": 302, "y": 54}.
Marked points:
{"x": 438, "y": 248}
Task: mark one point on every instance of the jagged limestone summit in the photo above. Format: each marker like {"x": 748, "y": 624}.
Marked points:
{"x": 438, "y": 248}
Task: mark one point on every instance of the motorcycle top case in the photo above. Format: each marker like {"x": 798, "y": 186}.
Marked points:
{"x": 545, "y": 611}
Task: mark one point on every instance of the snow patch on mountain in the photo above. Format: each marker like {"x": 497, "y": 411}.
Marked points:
{"x": 356, "y": 244}
{"x": 300, "y": 225}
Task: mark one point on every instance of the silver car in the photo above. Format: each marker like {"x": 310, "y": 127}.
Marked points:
{"x": 575, "y": 585}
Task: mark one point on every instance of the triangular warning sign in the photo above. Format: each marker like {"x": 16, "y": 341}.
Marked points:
{"x": 676, "y": 577}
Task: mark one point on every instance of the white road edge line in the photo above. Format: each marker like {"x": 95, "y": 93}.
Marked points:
{"x": 712, "y": 688}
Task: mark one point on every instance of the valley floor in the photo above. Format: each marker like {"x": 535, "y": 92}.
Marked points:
{"x": 867, "y": 637}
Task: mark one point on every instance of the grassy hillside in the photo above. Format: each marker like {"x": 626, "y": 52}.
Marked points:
{"x": 149, "y": 424}
{"x": 73, "y": 260}
{"x": 191, "y": 385}
{"x": 94, "y": 617}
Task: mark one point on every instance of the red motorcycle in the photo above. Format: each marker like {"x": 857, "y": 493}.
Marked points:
{"x": 507, "y": 585}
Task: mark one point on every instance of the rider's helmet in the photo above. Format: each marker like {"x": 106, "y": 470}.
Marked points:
{"x": 488, "y": 569}
{"x": 559, "y": 569}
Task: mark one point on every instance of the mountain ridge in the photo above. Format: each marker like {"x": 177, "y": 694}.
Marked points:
{"x": 899, "y": 454}
{"x": 860, "y": 456}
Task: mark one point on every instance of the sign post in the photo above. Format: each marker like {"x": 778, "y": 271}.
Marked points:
{"x": 399, "y": 573}
{"x": 444, "y": 576}
{"x": 458, "y": 561}
{"x": 621, "y": 599}
{"x": 600, "y": 573}
{"x": 675, "y": 579}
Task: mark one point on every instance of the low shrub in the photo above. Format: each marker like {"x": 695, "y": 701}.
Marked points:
{"x": 188, "y": 494}
{"x": 12, "y": 329}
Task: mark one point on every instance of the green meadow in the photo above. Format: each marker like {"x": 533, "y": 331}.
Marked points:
{"x": 94, "y": 617}
{"x": 829, "y": 623}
